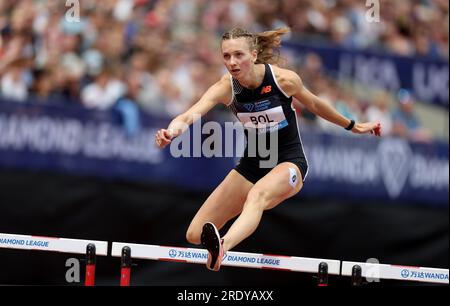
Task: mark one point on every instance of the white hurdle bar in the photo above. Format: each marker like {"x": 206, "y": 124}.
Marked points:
{"x": 396, "y": 272}
{"x": 90, "y": 248}
{"x": 52, "y": 244}
{"x": 235, "y": 259}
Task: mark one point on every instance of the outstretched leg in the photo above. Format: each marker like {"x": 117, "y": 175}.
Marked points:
{"x": 222, "y": 205}
{"x": 280, "y": 183}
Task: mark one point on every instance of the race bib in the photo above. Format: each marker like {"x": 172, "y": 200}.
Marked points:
{"x": 271, "y": 118}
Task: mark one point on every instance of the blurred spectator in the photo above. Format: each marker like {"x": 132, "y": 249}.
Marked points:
{"x": 168, "y": 65}
{"x": 348, "y": 106}
{"x": 13, "y": 84}
{"x": 43, "y": 89}
{"x": 379, "y": 111}
{"x": 345, "y": 103}
{"x": 406, "y": 123}
{"x": 103, "y": 92}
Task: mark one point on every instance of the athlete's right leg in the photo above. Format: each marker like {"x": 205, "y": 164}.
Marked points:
{"x": 222, "y": 205}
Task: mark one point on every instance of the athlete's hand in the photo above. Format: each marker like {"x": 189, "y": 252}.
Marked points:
{"x": 163, "y": 137}
{"x": 368, "y": 127}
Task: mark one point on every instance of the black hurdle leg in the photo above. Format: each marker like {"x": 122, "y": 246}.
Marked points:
{"x": 322, "y": 275}
{"x": 125, "y": 272}
{"x": 356, "y": 276}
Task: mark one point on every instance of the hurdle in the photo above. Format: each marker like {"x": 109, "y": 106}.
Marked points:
{"x": 376, "y": 271}
{"x": 90, "y": 248}
{"x": 129, "y": 251}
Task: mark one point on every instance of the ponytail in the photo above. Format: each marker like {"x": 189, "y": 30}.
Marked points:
{"x": 267, "y": 43}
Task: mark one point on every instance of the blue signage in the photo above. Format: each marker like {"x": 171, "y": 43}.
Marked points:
{"x": 85, "y": 142}
{"x": 426, "y": 78}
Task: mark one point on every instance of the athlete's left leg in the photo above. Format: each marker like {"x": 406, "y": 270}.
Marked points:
{"x": 282, "y": 182}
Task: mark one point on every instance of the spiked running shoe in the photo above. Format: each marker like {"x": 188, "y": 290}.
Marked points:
{"x": 211, "y": 240}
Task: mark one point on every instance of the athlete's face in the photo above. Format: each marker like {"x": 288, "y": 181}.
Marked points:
{"x": 237, "y": 56}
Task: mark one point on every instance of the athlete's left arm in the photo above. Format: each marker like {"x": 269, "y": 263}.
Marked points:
{"x": 292, "y": 85}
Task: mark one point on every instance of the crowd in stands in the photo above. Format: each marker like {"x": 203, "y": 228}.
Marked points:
{"x": 162, "y": 55}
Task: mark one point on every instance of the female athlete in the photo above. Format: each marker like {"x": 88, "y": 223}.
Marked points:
{"x": 260, "y": 94}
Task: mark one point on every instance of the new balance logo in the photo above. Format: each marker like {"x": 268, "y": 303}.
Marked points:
{"x": 266, "y": 89}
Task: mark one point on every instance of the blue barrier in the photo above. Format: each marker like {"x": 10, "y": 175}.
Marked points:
{"x": 77, "y": 141}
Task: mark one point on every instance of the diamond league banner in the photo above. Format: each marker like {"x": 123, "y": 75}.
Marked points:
{"x": 386, "y": 169}
{"x": 77, "y": 141}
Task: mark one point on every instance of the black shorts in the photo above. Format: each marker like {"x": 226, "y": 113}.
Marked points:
{"x": 249, "y": 168}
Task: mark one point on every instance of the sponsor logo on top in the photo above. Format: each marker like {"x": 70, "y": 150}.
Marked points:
{"x": 412, "y": 274}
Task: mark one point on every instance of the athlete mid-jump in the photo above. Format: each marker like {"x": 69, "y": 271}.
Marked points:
{"x": 260, "y": 95}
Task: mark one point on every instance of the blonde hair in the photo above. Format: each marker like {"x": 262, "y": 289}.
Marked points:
{"x": 265, "y": 43}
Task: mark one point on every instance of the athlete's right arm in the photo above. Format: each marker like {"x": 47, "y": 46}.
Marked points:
{"x": 220, "y": 92}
